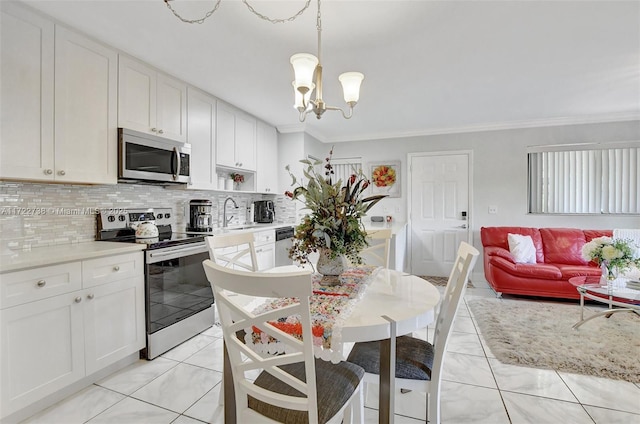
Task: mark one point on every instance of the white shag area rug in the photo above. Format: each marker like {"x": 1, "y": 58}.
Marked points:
{"x": 539, "y": 335}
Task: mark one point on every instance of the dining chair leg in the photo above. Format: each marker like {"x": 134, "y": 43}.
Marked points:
{"x": 229, "y": 391}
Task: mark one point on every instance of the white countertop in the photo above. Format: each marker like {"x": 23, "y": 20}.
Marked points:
{"x": 396, "y": 226}
{"x": 50, "y": 255}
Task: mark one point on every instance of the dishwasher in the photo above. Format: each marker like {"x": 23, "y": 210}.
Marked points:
{"x": 284, "y": 239}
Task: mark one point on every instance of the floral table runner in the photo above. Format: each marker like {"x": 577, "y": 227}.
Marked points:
{"x": 330, "y": 306}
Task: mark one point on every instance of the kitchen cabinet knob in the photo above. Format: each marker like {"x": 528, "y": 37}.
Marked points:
{"x": 240, "y": 164}
{"x": 90, "y": 296}
{"x": 154, "y": 130}
{"x": 78, "y": 299}
{"x": 161, "y": 131}
{"x": 48, "y": 171}
{"x": 61, "y": 172}
{"x": 41, "y": 283}
{"x": 116, "y": 268}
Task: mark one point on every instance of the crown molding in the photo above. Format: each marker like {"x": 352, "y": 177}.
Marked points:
{"x": 497, "y": 126}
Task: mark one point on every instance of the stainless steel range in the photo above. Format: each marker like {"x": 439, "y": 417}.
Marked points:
{"x": 179, "y": 300}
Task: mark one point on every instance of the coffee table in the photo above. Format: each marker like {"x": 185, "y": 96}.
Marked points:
{"x": 616, "y": 294}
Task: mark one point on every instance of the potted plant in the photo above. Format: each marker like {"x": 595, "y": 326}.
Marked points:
{"x": 333, "y": 227}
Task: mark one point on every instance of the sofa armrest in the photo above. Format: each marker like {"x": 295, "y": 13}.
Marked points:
{"x": 499, "y": 252}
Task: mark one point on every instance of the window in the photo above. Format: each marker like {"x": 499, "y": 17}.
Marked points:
{"x": 342, "y": 167}
{"x": 585, "y": 179}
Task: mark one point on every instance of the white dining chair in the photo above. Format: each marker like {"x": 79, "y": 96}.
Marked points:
{"x": 379, "y": 245}
{"x": 233, "y": 250}
{"x": 418, "y": 362}
{"x": 293, "y": 387}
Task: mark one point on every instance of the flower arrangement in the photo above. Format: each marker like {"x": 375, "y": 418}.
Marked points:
{"x": 383, "y": 176}
{"x": 237, "y": 178}
{"x": 614, "y": 254}
{"x": 336, "y": 211}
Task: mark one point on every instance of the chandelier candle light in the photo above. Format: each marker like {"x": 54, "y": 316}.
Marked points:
{"x": 307, "y": 66}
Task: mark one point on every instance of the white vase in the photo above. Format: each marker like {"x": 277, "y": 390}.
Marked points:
{"x": 330, "y": 267}
{"x": 228, "y": 184}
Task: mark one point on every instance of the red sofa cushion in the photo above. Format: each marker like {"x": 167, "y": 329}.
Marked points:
{"x": 591, "y": 234}
{"x": 498, "y": 236}
{"x": 563, "y": 245}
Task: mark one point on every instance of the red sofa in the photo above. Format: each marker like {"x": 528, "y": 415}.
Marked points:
{"x": 558, "y": 258}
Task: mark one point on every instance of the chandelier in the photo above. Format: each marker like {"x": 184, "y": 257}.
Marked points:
{"x": 307, "y": 66}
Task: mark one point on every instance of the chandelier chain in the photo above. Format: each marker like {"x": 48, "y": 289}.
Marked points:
{"x": 193, "y": 21}
{"x": 277, "y": 21}
{"x": 255, "y": 12}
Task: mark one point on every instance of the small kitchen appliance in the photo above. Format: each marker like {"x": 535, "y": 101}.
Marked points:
{"x": 178, "y": 296}
{"x": 264, "y": 211}
{"x": 200, "y": 217}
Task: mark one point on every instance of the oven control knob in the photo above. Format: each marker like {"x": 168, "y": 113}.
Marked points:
{"x": 159, "y": 216}
{"x": 121, "y": 218}
{"x": 167, "y": 215}
{"x": 111, "y": 218}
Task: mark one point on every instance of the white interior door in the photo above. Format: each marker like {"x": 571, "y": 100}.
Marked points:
{"x": 438, "y": 210}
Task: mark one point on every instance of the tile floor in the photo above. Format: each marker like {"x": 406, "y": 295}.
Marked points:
{"x": 182, "y": 387}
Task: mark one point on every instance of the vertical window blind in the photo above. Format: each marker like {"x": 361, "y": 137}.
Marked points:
{"x": 587, "y": 181}
{"x": 343, "y": 168}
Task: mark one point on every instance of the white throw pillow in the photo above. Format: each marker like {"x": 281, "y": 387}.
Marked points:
{"x": 522, "y": 248}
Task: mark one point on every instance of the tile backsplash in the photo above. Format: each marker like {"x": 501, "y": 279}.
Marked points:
{"x": 33, "y": 215}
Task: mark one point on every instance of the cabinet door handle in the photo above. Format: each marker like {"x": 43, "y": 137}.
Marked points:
{"x": 90, "y": 296}
{"x": 41, "y": 283}
{"x": 78, "y": 299}
{"x": 154, "y": 130}
{"x": 61, "y": 172}
{"x": 116, "y": 268}
{"x": 48, "y": 171}
{"x": 161, "y": 131}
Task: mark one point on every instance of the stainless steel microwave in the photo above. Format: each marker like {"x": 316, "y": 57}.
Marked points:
{"x": 151, "y": 159}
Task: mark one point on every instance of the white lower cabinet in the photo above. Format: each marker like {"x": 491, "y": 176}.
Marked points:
{"x": 265, "y": 249}
{"x": 114, "y": 322}
{"x": 48, "y": 344}
{"x": 42, "y": 350}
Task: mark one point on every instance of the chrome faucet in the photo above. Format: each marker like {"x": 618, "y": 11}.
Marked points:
{"x": 225, "y": 220}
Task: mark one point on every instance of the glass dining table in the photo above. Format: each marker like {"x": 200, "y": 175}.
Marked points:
{"x": 392, "y": 304}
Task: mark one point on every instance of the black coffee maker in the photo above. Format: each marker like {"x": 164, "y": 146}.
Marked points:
{"x": 200, "y": 218}
{"x": 264, "y": 211}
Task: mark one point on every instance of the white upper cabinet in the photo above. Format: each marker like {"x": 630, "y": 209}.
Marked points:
{"x": 235, "y": 138}
{"x": 267, "y": 150}
{"x": 77, "y": 85}
{"x": 26, "y": 94}
{"x": 86, "y": 132}
{"x": 201, "y": 130}
{"x": 151, "y": 102}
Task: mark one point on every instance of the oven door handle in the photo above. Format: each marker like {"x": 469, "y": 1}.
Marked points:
{"x": 179, "y": 252}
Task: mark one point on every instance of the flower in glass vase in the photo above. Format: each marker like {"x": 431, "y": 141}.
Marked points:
{"x": 333, "y": 225}
{"x": 616, "y": 255}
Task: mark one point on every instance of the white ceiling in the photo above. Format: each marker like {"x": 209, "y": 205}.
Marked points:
{"x": 430, "y": 66}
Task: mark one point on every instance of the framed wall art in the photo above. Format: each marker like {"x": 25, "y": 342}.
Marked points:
{"x": 385, "y": 178}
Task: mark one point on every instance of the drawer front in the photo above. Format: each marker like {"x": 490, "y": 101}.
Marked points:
{"x": 264, "y": 237}
{"x": 112, "y": 268}
{"x": 17, "y": 288}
